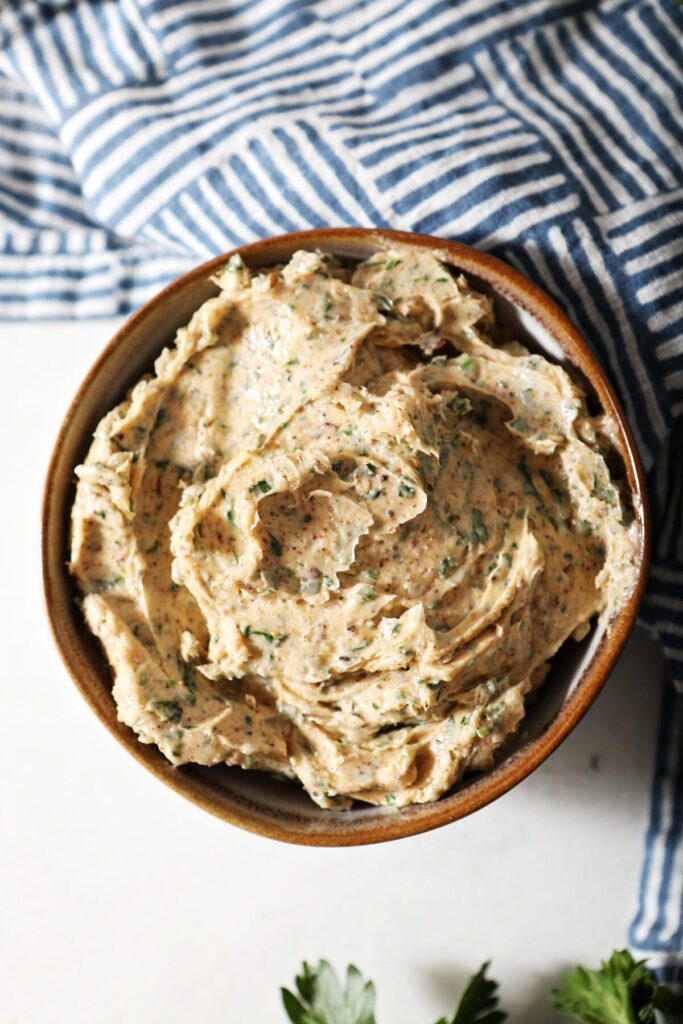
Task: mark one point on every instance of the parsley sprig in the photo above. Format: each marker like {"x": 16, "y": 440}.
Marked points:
{"x": 479, "y": 1002}
{"x": 323, "y": 1000}
{"x": 622, "y": 991}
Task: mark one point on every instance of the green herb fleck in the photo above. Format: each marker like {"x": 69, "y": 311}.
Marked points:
{"x": 273, "y": 638}
{"x": 530, "y": 487}
{"x": 235, "y": 263}
{"x": 162, "y": 416}
{"x": 622, "y": 991}
{"x": 166, "y": 710}
{"x": 553, "y": 486}
{"x": 480, "y": 532}
{"x": 445, "y": 566}
{"x": 521, "y": 425}
{"x": 601, "y": 492}
{"x": 261, "y": 485}
{"x": 457, "y": 405}
{"x": 275, "y": 545}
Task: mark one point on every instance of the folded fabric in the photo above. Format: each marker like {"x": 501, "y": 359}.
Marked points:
{"x": 138, "y": 137}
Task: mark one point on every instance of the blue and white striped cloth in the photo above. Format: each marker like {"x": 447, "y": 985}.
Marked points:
{"x": 138, "y": 137}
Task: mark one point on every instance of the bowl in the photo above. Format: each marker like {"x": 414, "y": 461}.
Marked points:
{"x": 252, "y": 800}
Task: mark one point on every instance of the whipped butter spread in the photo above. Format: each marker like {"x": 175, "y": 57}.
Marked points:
{"x": 343, "y": 528}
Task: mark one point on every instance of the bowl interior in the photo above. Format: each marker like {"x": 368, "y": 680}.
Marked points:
{"x": 255, "y": 800}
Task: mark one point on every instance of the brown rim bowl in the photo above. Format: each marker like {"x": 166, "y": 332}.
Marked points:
{"x": 253, "y": 800}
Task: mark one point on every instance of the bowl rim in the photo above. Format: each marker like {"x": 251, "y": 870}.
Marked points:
{"x": 507, "y": 773}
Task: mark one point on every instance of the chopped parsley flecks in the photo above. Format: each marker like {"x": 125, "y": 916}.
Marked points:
{"x": 235, "y": 263}
{"x": 601, "y": 492}
{"x": 161, "y": 417}
{"x": 275, "y": 545}
{"x": 480, "y": 532}
{"x": 457, "y": 405}
{"x": 521, "y": 425}
{"x": 529, "y": 486}
{"x": 553, "y": 486}
{"x": 261, "y": 485}
{"x": 166, "y": 710}
{"x": 98, "y": 585}
{"x": 272, "y": 638}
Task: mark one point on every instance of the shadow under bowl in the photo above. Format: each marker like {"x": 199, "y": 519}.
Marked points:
{"x": 254, "y": 800}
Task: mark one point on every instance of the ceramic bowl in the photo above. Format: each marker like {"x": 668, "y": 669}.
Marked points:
{"x": 253, "y": 800}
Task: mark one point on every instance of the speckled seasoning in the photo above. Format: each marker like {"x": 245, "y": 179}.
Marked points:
{"x": 341, "y": 531}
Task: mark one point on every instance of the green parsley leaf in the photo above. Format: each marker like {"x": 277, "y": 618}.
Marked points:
{"x": 235, "y": 263}
{"x": 480, "y": 531}
{"x": 166, "y": 710}
{"x": 529, "y": 486}
{"x": 321, "y": 998}
{"x": 623, "y": 991}
{"x": 601, "y": 492}
{"x": 261, "y": 485}
{"x": 479, "y": 1002}
{"x": 520, "y": 425}
{"x": 272, "y": 638}
{"x": 553, "y": 486}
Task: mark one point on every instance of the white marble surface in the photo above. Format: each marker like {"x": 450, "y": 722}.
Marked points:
{"x": 124, "y": 903}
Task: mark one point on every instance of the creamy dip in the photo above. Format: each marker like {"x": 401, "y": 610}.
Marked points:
{"x": 341, "y": 531}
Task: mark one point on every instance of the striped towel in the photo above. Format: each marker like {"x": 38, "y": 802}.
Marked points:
{"x": 138, "y": 137}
